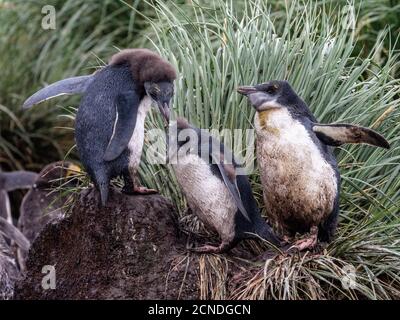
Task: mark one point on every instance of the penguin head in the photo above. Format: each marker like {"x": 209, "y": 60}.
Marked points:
{"x": 152, "y": 72}
{"x": 161, "y": 93}
{"x": 272, "y": 95}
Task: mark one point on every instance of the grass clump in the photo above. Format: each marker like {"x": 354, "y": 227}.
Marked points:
{"x": 32, "y": 57}
{"x": 310, "y": 47}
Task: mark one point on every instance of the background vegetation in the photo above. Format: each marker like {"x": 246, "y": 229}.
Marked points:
{"x": 345, "y": 72}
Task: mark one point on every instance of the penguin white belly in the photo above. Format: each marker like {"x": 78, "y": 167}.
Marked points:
{"x": 299, "y": 185}
{"x": 135, "y": 144}
{"x": 207, "y": 195}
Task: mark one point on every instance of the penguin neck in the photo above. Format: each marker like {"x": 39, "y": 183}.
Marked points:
{"x": 272, "y": 121}
{"x": 144, "y": 106}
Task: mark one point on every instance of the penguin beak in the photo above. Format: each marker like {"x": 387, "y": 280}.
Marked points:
{"x": 259, "y": 99}
{"x": 246, "y": 90}
{"x": 165, "y": 110}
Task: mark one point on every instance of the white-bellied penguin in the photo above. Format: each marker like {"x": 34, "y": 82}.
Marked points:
{"x": 109, "y": 127}
{"x": 223, "y": 200}
{"x": 299, "y": 172}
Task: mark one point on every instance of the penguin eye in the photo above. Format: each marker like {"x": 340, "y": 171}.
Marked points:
{"x": 154, "y": 91}
{"x": 153, "y": 95}
{"x": 272, "y": 89}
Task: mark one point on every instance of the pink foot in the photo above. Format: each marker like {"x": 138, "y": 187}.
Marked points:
{"x": 143, "y": 190}
{"x": 205, "y": 249}
{"x": 225, "y": 246}
{"x": 307, "y": 243}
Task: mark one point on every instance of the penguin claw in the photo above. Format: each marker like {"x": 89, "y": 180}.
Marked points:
{"x": 225, "y": 246}
{"x": 144, "y": 190}
{"x": 205, "y": 249}
{"x": 138, "y": 190}
{"x": 306, "y": 243}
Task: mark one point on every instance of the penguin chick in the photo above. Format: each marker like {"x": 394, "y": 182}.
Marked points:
{"x": 299, "y": 172}
{"x": 109, "y": 128}
{"x": 223, "y": 200}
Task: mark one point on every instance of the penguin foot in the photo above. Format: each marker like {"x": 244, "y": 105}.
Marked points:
{"x": 223, "y": 247}
{"x": 307, "y": 243}
{"x": 137, "y": 190}
{"x": 205, "y": 249}
{"x": 144, "y": 190}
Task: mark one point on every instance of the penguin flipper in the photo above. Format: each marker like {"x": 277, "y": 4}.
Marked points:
{"x": 10, "y": 181}
{"x": 11, "y": 232}
{"x": 233, "y": 189}
{"x": 341, "y": 133}
{"x": 228, "y": 175}
{"x": 74, "y": 85}
{"x": 127, "y": 105}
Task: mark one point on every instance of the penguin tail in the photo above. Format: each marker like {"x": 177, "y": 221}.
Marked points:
{"x": 265, "y": 231}
{"x": 103, "y": 187}
{"x": 101, "y": 180}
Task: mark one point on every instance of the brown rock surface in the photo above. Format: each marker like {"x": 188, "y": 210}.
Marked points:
{"x": 128, "y": 250}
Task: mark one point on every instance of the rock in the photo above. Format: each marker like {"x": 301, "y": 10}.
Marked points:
{"x": 46, "y": 201}
{"x": 130, "y": 249}
{"x": 9, "y": 272}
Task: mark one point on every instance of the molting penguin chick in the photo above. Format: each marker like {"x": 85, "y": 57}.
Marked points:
{"x": 299, "y": 172}
{"x": 109, "y": 129}
{"x": 223, "y": 200}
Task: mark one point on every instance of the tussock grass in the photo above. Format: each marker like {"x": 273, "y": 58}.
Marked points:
{"x": 32, "y": 57}
{"x": 216, "y": 46}
{"x": 310, "y": 48}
